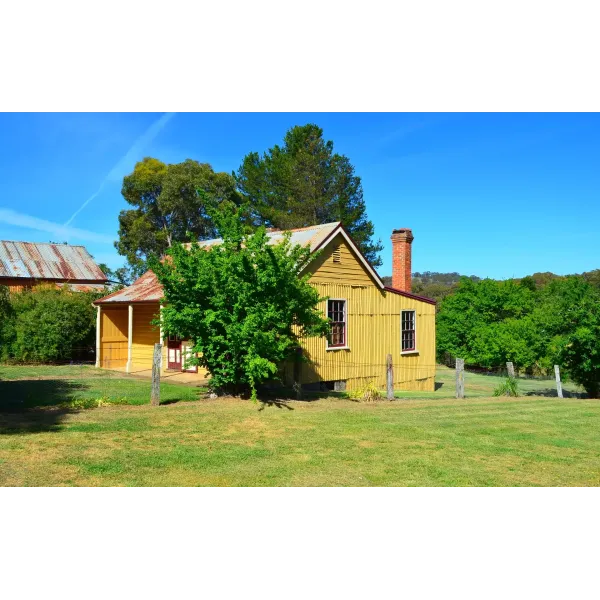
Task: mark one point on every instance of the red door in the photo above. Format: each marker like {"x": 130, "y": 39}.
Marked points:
{"x": 174, "y": 353}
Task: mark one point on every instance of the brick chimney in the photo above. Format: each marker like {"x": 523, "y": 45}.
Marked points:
{"x": 401, "y": 259}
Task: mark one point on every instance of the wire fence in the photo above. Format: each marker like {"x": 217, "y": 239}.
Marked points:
{"x": 332, "y": 373}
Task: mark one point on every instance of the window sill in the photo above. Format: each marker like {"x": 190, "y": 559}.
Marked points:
{"x": 409, "y": 352}
{"x": 331, "y": 348}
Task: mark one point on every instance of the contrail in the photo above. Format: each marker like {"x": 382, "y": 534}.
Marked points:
{"x": 59, "y": 231}
{"x": 132, "y": 154}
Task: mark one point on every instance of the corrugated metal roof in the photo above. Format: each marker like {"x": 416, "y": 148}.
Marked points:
{"x": 145, "y": 289}
{"x": 31, "y": 260}
{"x": 312, "y": 236}
{"x": 148, "y": 289}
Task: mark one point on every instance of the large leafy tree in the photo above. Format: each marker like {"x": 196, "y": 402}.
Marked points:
{"x": 570, "y": 316}
{"x": 169, "y": 204}
{"x": 476, "y": 321}
{"x": 243, "y": 302}
{"x": 304, "y": 182}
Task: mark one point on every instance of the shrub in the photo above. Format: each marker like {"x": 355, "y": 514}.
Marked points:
{"x": 48, "y": 325}
{"x": 367, "y": 393}
{"x": 509, "y": 387}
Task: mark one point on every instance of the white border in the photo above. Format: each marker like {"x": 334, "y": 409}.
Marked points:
{"x": 415, "y": 350}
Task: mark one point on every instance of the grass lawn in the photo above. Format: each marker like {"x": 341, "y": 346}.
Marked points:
{"x": 482, "y": 386}
{"x": 434, "y": 441}
{"x": 25, "y": 387}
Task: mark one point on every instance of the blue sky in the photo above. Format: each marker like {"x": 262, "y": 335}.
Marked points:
{"x": 496, "y": 195}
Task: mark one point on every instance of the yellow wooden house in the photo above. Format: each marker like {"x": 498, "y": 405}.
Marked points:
{"x": 369, "y": 320}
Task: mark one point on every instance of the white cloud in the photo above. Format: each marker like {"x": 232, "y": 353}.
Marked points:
{"x": 58, "y": 231}
{"x": 126, "y": 162}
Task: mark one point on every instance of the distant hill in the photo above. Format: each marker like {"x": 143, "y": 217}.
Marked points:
{"x": 437, "y": 286}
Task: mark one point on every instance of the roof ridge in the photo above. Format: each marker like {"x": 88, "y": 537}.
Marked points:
{"x": 44, "y": 244}
{"x": 279, "y": 230}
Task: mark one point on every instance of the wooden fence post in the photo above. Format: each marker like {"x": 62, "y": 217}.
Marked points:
{"x": 460, "y": 377}
{"x": 389, "y": 377}
{"x": 155, "y": 392}
{"x": 511, "y": 369}
{"x": 558, "y": 383}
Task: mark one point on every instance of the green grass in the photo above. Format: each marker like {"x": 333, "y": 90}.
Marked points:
{"x": 479, "y": 441}
{"x": 26, "y": 387}
{"x": 482, "y": 386}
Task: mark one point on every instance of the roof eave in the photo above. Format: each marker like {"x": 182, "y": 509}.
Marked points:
{"x": 410, "y": 295}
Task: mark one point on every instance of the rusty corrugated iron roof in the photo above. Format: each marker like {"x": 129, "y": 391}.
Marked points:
{"x": 145, "y": 289}
{"x": 312, "y": 236}
{"x": 148, "y": 289}
{"x": 33, "y": 260}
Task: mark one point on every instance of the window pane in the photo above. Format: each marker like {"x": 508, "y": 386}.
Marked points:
{"x": 335, "y": 312}
{"x": 408, "y": 336}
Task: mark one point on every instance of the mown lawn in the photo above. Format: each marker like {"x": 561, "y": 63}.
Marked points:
{"x": 528, "y": 441}
{"x": 26, "y": 387}
{"x": 482, "y": 386}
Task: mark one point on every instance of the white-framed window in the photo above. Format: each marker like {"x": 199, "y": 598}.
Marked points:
{"x": 337, "y": 314}
{"x": 408, "y": 326}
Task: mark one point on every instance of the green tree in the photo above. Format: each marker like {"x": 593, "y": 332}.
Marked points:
{"x": 6, "y": 314}
{"x": 569, "y": 315}
{"x": 243, "y": 303}
{"x": 49, "y": 325}
{"x": 480, "y": 322}
{"x": 121, "y": 276}
{"x": 169, "y": 204}
{"x": 304, "y": 182}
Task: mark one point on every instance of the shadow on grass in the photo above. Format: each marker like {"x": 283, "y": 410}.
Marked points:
{"x": 288, "y": 394}
{"x": 438, "y": 385}
{"x": 31, "y": 405}
{"x": 552, "y": 393}
{"x": 274, "y": 403}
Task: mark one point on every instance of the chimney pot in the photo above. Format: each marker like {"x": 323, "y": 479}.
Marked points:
{"x": 402, "y": 259}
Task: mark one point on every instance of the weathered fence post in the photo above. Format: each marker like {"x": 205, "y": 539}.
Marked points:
{"x": 155, "y": 391}
{"x": 460, "y": 377}
{"x": 510, "y": 368}
{"x": 558, "y": 383}
{"x": 389, "y": 377}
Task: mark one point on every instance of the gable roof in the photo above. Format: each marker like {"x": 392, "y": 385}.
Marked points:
{"x": 316, "y": 238}
{"x": 148, "y": 289}
{"x": 145, "y": 289}
{"x": 34, "y": 260}
{"x": 311, "y": 237}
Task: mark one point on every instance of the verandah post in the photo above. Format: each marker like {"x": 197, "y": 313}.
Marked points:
{"x": 460, "y": 377}
{"x": 98, "y": 336}
{"x": 389, "y": 377}
{"x": 155, "y": 390}
{"x": 558, "y": 382}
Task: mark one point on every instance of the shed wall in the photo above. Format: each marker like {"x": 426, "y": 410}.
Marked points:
{"x": 113, "y": 337}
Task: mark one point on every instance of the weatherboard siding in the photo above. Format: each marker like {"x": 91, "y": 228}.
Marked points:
{"x": 113, "y": 337}
{"x": 145, "y": 335}
{"x": 373, "y": 331}
{"x": 347, "y": 270}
